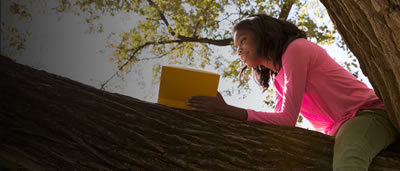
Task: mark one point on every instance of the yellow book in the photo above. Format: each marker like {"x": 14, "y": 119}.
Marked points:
{"x": 177, "y": 84}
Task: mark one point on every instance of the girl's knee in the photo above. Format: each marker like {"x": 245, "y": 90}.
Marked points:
{"x": 350, "y": 157}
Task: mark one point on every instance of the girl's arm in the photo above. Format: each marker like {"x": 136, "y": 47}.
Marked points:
{"x": 295, "y": 64}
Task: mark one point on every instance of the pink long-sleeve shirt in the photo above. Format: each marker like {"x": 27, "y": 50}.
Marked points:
{"x": 310, "y": 82}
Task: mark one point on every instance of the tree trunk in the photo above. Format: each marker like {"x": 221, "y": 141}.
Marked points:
{"x": 371, "y": 30}
{"x": 48, "y": 122}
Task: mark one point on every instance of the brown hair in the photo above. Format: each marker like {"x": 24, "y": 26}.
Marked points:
{"x": 273, "y": 37}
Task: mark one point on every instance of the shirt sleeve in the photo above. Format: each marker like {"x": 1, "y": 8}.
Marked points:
{"x": 278, "y": 102}
{"x": 295, "y": 64}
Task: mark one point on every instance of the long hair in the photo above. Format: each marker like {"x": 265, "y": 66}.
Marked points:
{"x": 272, "y": 37}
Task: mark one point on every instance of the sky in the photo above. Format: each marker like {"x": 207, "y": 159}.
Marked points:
{"x": 64, "y": 47}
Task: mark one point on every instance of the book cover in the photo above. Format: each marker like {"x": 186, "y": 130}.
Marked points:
{"x": 177, "y": 84}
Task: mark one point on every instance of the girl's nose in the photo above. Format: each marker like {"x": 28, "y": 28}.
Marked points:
{"x": 239, "y": 52}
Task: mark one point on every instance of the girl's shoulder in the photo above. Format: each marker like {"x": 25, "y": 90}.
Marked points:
{"x": 301, "y": 43}
{"x": 299, "y": 47}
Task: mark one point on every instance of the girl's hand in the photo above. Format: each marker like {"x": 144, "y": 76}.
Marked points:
{"x": 216, "y": 105}
{"x": 209, "y": 104}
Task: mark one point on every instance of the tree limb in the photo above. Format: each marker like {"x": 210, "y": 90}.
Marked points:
{"x": 182, "y": 39}
{"x": 102, "y": 85}
{"x": 285, "y": 9}
{"x": 48, "y": 122}
{"x": 162, "y": 16}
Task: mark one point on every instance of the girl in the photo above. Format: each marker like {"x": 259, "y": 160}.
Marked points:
{"x": 307, "y": 81}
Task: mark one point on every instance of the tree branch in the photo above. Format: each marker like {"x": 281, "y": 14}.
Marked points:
{"x": 131, "y": 58}
{"x": 162, "y": 16}
{"x": 48, "y": 122}
{"x": 220, "y": 42}
{"x": 181, "y": 39}
{"x": 217, "y": 42}
{"x": 195, "y": 29}
{"x": 285, "y": 9}
{"x": 205, "y": 19}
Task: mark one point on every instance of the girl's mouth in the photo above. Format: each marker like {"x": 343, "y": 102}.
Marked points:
{"x": 243, "y": 58}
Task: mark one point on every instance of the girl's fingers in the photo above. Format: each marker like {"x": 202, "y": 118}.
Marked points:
{"x": 199, "y": 109}
{"x": 204, "y": 103}
{"x": 196, "y": 105}
{"x": 202, "y": 98}
{"x": 195, "y": 101}
{"x": 219, "y": 95}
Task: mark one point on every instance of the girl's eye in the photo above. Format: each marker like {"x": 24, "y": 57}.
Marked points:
{"x": 241, "y": 42}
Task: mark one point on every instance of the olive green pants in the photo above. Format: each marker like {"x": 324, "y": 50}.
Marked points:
{"x": 361, "y": 138}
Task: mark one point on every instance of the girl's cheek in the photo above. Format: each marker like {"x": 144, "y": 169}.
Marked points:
{"x": 254, "y": 62}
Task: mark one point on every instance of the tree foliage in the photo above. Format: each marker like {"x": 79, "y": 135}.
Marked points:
{"x": 12, "y": 36}
{"x": 188, "y": 32}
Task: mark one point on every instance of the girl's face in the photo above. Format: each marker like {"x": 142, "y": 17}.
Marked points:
{"x": 245, "y": 42}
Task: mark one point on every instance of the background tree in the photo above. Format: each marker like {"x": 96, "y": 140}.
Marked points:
{"x": 371, "y": 29}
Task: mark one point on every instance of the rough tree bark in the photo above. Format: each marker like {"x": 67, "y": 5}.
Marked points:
{"x": 48, "y": 122}
{"x": 371, "y": 30}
